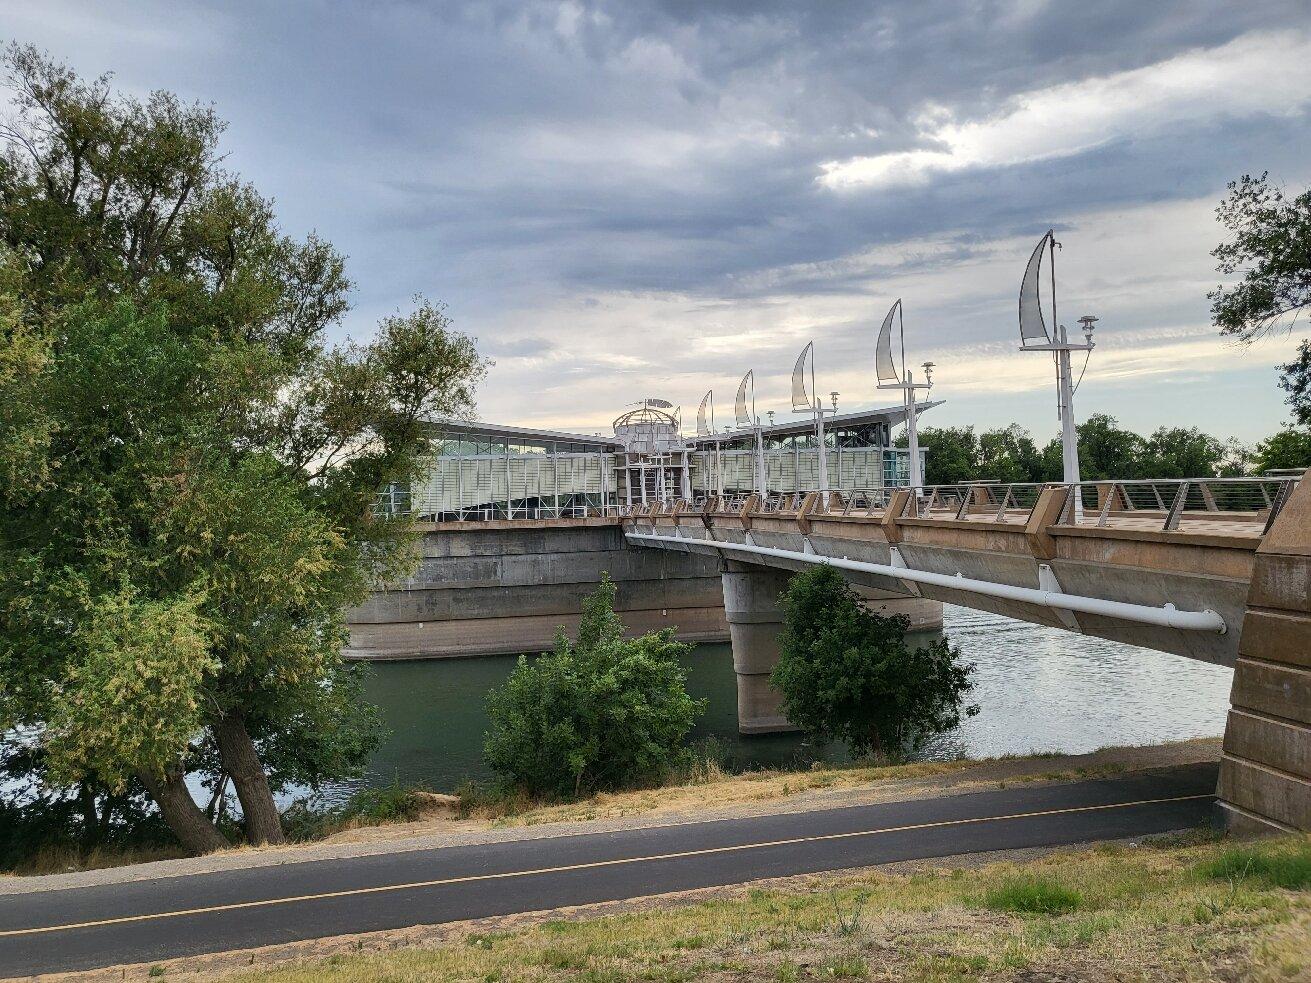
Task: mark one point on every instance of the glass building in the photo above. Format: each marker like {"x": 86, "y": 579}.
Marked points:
{"x": 493, "y": 471}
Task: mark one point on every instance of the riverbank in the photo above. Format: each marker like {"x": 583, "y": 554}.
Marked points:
{"x": 707, "y": 795}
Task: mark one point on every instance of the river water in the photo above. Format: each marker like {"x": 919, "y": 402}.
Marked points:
{"x": 1039, "y": 689}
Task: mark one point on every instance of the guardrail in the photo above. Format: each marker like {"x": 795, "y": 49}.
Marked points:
{"x": 1165, "y": 503}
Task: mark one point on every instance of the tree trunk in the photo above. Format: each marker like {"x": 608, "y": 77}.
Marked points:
{"x": 196, "y": 833}
{"x": 241, "y": 762}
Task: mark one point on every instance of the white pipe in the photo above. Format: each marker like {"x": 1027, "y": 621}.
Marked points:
{"x": 1164, "y": 617}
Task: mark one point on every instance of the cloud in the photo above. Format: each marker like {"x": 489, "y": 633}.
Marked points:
{"x": 1251, "y": 75}
{"x": 620, "y": 197}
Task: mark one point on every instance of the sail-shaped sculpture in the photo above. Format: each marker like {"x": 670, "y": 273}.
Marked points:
{"x": 800, "y": 399}
{"x": 884, "y": 367}
{"x": 705, "y": 423}
{"x": 1032, "y": 327}
{"x": 744, "y": 418}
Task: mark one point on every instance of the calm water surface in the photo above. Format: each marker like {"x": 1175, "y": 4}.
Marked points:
{"x": 1039, "y": 689}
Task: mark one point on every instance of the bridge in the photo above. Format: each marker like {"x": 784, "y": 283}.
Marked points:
{"x": 1209, "y": 569}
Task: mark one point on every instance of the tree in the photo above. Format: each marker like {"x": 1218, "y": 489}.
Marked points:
{"x": 1008, "y": 454}
{"x": 1289, "y": 448}
{"x": 951, "y": 454}
{"x": 187, "y": 504}
{"x": 1105, "y": 450}
{"x": 1187, "y": 452}
{"x": 597, "y": 713}
{"x": 847, "y": 673}
{"x": 1270, "y": 246}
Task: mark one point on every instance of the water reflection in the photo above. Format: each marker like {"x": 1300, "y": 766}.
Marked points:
{"x": 1040, "y": 689}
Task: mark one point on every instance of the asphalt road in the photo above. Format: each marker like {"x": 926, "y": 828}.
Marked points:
{"x": 148, "y": 921}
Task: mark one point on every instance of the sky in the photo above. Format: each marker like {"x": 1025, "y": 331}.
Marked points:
{"x": 649, "y": 197}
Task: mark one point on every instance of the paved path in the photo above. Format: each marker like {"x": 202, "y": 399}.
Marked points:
{"x": 152, "y": 920}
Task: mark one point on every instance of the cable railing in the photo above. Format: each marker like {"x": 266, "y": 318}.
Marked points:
{"x": 1236, "y": 506}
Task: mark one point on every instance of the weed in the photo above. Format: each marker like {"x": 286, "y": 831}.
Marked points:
{"x": 848, "y": 922}
{"x": 1033, "y": 896}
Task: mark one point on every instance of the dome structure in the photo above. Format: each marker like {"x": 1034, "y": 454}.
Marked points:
{"x": 650, "y": 429}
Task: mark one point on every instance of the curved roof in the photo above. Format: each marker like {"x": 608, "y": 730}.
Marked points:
{"x": 645, "y": 414}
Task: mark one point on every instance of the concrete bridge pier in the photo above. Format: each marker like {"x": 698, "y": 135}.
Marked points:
{"x": 755, "y": 620}
{"x": 1265, "y": 775}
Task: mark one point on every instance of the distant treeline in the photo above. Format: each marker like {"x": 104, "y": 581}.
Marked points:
{"x": 1009, "y": 454}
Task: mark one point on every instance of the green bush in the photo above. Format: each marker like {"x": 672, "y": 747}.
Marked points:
{"x": 600, "y": 713}
{"x": 1033, "y": 896}
{"x": 1286, "y": 865}
{"x": 307, "y": 819}
{"x": 848, "y": 673}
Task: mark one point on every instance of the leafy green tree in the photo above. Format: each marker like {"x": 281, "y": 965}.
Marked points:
{"x": 1289, "y": 448}
{"x": 1187, "y": 452}
{"x": 1270, "y": 247}
{"x": 186, "y": 507}
{"x": 951, "y": 454}
{"x": 1106, "y": 451}
{"x": 598, "y": 713}
{"x": 847, "y": 673}
{"x": 1008, "y": 454}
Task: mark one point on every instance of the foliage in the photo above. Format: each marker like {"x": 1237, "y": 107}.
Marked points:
{"x": 370, "y": 806}
{"x": 187, "y": 467}
{"x": 1296, "y": 379}
{"x": 1106, "y": 451}
{"x": 849, "y": 674}
{"x": 1289, "y": 448}
{"x": 1270, "y": 246}
{"x": 599, "y": 713}
{"x": 957, "y": 454}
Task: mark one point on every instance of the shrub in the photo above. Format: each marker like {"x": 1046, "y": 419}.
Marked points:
{"x": 599, "y": 713}
{"x": 1033, "y": 896}
{"x": 848, "y": 673}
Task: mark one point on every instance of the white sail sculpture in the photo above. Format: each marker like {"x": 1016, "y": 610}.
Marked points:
{"x": 746, "y": 391}
{"x": 892, "y": 377}
{"x": 802, "y": 402}
{"x": 705, "y": 427}
{"x": 1035, "y": 337}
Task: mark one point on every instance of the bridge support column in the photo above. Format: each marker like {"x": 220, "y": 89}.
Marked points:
{"x": 1265, "y": 775}
{"x": 755, "y": 619}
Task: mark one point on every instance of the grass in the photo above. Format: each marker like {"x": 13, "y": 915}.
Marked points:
{"x": 1288, "y": 868}
{"x": 1187, "y": 908}
{"x": 1033, "y": 896}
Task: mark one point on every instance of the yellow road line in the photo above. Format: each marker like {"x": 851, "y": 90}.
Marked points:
{"x": 592, "y": 864}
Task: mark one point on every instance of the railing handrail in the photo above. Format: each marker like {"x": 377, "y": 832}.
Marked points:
{"x": 1087, "y": 503}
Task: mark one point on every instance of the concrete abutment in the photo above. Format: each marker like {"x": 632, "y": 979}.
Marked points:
{"x": 1265, "y": 775}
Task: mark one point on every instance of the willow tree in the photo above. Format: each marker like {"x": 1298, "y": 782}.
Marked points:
{"x": 189, "y": 472}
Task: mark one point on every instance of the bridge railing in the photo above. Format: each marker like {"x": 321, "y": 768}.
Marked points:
{"x": 1243, "y": 505}
{"x": 1177, "y": 501}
